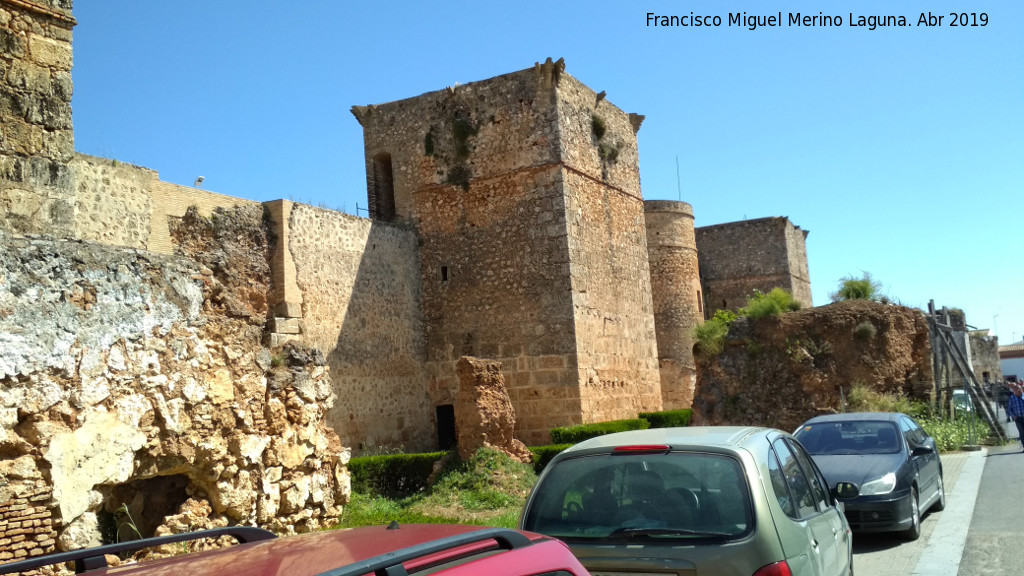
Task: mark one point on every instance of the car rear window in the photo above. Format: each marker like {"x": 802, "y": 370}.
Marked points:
{"x": 668, "y": 495}
{"x": 850, "y": 437}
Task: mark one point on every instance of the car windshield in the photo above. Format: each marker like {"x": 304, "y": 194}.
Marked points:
{"x": 674, "y": 495}
{"x": 850, "y": 437}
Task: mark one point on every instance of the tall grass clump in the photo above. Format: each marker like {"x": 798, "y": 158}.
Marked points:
{"x": 761, "y": 305}
{"x": 863, "y": 288}
{"x": 710, "y": 336}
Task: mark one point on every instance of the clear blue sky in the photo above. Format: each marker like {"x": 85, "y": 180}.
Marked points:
{"x": 901, "y": 150}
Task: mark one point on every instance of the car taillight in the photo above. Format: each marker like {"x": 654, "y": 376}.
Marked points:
{"x": 641, "y": 449}
{"x": 776, "y": 569}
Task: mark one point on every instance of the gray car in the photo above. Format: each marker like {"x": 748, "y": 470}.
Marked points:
{"x": 730, "y": 501}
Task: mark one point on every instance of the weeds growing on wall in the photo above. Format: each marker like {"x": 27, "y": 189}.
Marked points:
{"x": 863, "y": 288}
{"x": 761, "y": 305}
{"x": 864, "y": 331}
{"x": 710, "y": 336}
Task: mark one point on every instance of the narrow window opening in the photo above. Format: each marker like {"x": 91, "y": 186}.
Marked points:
{"x": 444, "y": 273}
{"x": 383, "y": 188}
{"x": 446, "y": 438}
{"x": 700, "y": 303}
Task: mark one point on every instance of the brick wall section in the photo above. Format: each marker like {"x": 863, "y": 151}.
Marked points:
{"x": 739, "y": 257}
{"x": 676, "y": 292}
{"x": 26, "y": 528}
{"x": 360, "y": 282}
{"x": 37, "y": 140}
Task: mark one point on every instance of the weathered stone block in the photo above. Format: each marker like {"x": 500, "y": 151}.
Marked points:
{"x": 49, "y": 52}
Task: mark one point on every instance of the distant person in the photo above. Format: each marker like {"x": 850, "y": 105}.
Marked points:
{"x": 1015, "y": 410}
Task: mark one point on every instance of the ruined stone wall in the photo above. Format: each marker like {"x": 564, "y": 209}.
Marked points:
{"x": 362, "y": 301}
{"x": 985, "y": 356}
{"x": 676, "y": 293}
{"x": 125, "y": 205}
{"x": 802, "y": 364}
{"x": 37, "y": 140}
{"x": 129, "y": 378}
{"x": 737, "y": 258}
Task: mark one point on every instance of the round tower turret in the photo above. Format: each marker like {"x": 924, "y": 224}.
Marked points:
{"x": 675, "y": 291}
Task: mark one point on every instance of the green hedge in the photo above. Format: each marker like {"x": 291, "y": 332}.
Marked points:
{"x": 393, "y": 475}
{"x": 668, "y": 418}
{"x": 543, "y": 454}
{"x": 575, "y": 434}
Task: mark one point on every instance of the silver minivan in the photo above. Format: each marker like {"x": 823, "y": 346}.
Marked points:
{"x": 730, "y": 501}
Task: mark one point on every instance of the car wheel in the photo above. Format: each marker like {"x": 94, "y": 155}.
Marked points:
{"x": 914, "y": 532}
{"x": 940, "y": 504}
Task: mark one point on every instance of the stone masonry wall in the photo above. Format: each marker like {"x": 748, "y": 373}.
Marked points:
{"x": 608, "y": 259}
{"x": 125, "y": 205}
{"x": 676, "y": 292}
{"x": 129, "y": 378}
{"x": 36, "y": 138}
{"x": 739, "y": 257}
{"x": 360, "y": 285}
{"x": 476, "y": 174}
{"x": 985, "y": 356}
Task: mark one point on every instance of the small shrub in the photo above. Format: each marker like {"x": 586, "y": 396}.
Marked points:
{"x": 576, "y": 434}
{"x": 864, "y": 399}
{"x": 863, "y": 288}
{"x": 710, "y": 336}
{"x": 864, "y": 331}
{"x": 668, "y": 418}
{"x": 774, "y": 303}
{"x": 392, "y": 475}
{"x": 598, "y": 126}
{"x": 543, "y": 454}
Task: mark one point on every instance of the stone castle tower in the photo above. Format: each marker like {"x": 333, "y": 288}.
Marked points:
{"x": 525, "y": 192}
{"x": 678, "y": 303}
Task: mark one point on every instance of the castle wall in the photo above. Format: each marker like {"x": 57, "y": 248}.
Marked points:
{"x": 611, "y": 287}
{"x": 125, "y": 205}
{"x": 37, "y": 140}
{"x": 737, "y": 258}
{"x": 361, "y": 305}
{"x": 485, "y": 197}
{"x": 677, "y": 297}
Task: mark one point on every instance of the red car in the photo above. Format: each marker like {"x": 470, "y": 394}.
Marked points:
{"x": 451, "y": 550}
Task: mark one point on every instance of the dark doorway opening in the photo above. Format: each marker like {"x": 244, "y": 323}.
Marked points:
{"x": 446, "y": 437}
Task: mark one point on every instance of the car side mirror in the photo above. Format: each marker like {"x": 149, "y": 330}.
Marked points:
{"x": 923, "y": 450}
{"x": 845, "y": 491}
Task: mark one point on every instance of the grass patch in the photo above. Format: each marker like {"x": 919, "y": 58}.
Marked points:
{"x": 488, "y": 489}
{"x": 774, "y": 303}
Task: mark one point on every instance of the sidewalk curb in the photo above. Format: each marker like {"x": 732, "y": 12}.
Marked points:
{"x": 942, "y": 554}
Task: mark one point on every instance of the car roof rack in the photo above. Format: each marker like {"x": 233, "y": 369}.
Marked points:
{"x": 93, "y": 558}
{"x": 391, "y": 563}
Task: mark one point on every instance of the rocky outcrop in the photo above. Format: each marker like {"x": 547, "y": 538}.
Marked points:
{"x": 136, "y": 396}
{"x": 484, "y": 415}
{"x": 780, "y": 371}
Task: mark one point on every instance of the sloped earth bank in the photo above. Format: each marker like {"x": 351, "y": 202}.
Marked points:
{"x": 780, "y": 371}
